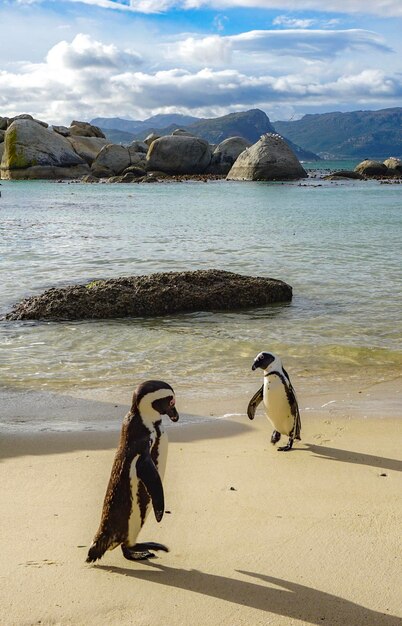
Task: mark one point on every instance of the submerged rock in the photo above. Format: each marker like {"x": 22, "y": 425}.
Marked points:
{"x": 152, "y": 295}
{"x": 344, "y": 174}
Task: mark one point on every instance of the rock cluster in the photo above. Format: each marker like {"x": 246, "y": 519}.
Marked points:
{"x": 30, "y": 148}
{"x": 152, "y": 295}
{"x": 375, "y": 169}
{"x": 391, "y": 168}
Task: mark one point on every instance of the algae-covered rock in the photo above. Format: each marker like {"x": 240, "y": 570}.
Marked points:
{"x": 153, "y": 295}
{"x": 28, "y": 144}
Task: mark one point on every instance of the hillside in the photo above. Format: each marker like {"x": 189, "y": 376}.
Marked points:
{"x": 137, "y": 126}
{"x": 248, "y": 124}
{"x": 360, "y": 134}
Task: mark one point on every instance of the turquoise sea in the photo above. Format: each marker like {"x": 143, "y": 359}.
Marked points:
{"x": 339, "y": 244}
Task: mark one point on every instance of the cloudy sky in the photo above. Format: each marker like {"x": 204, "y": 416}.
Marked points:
{"x": 80, "y": 59}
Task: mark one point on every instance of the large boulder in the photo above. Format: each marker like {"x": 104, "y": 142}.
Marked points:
{"x": 3, "y": 123}
{"x": 182, "y": 133}
{"x": 268, "y": 159}
{"x": 371, "y": 168}
{"x": 84, "y": 129}
{"x": 62, "y": 130}
{"x": 87, "y": 148}
{"x": 33, "y": 151}
{"x": 137, "y": 158}
{"x": 155, "y": 294}
{"x": 25, "y": 116}
{"x": 113, "y": 158}
{"x": 2, "y": 133}
{"x": 393, "y": 165}
{"x": 150, "y": 138}
{"x": 176, "y": 154}
{"x": 139, "y": 146}
{"x": 226, "y": 153}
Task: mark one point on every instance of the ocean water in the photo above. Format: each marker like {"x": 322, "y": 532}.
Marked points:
{"x": 339, "y": 244}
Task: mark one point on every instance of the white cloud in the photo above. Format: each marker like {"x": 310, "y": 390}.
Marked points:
{"x": 84, "y": 53}
{"x": 299, "y": 43}
{"x": 383, "y": 8}
{"x": 291, "y": 22}
{"x": 210, "y": 50}
{"x": 219, "y": 22}
{"x": 136, "y": 6}
{"x": 87, "y": 78}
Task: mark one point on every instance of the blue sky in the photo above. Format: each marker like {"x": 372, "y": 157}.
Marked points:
{"x": 75, "y": 59}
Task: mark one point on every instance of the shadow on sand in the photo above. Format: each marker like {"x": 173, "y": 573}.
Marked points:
{"x": 287, "y": 598}
{"x": 347, "y": 456}
{"x": 47, "y": 441}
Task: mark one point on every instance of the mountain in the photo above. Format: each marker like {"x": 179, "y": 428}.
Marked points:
{"x": 359, "y": 134}
{"x": 136, "y": 126}
{"x": 248, "y": 124}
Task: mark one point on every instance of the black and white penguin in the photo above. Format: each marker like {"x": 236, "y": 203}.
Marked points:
{"x": 137, "y": 473}
{"x": 279, "y": 399}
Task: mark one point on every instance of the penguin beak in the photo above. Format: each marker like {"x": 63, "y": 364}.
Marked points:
{"x": 254, "y": 366}
{"x": 173, "y": 414}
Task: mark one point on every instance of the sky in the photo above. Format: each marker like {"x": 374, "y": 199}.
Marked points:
{"x": 80, "y": 59}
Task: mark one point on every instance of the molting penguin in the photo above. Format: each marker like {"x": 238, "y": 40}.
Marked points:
{"x": 279, "y": 399}
{"x": 137, "y": 473}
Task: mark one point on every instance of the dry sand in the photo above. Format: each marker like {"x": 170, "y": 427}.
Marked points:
{"x": 256, "y": 536}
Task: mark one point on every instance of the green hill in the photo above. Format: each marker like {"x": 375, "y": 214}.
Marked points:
{"x": 360, "y": 134}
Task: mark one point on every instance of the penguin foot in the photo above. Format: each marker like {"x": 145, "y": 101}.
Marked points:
{"x": 275, "y": 437}
{"x": 141, "y": 551}
{"x": 288, "y": 446}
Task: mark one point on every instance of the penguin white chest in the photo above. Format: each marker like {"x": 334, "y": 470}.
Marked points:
{"x": 277, "y": 405}
{"x": 139, "y": 514}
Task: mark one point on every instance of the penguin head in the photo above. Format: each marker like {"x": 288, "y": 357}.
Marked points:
{"x": 264, "y": 360}
{"x": 154, "y": 398}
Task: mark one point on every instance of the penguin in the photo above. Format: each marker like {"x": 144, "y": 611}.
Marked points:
{"x": 279, "y": 400}
{"x": 136, "y": 477}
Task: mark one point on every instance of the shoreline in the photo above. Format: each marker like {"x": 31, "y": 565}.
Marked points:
{"x": 26, "y": 411}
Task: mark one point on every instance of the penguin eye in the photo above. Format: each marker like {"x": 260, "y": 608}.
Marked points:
{"x": 172, "y": 402}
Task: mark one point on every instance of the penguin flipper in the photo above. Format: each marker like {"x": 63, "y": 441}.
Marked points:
{"x": 254, "y": 402}
{"x": 148, "y": 474}
{"x": 294, "y": 407}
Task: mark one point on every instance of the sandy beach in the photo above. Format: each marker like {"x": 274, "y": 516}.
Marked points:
{"x": 255, "y": 536}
